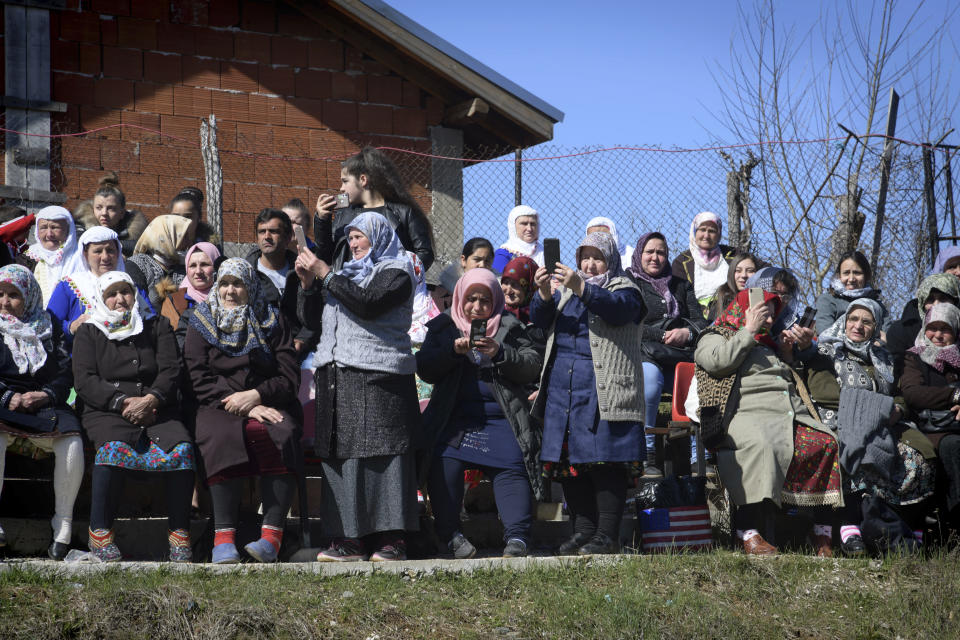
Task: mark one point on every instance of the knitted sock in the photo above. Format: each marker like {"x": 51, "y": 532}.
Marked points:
{"x": 823, "y": 530}
{"x": 100, "y": 538}
{"x": 224, "y": 536}
{"x": 848, "y": 530}
{"x": 178, "y": 538}
{"x": 746, "y": 534}
{"x": 273, "y": 535}
{"x": 67, "y": 477}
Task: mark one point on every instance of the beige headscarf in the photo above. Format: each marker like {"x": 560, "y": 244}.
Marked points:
{"x": 162, "y": 237}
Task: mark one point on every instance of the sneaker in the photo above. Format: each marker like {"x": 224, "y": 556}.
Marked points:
{"x": 516, "y": 548}
{"x": 110, "y": 552}
{"x": 225, "y": 553}
{"x": 599, "y": 544}
{"x": 180, "y": 553}
{"x": 572, "y": 545}
{"x": 390, "y": 552}
{"x": 853, "y": 547}
{"x": 262, "y": 550}
{"x": 343, "y": 550}
{"x": 58, "y": 550}
{"x": 460, "y": 547}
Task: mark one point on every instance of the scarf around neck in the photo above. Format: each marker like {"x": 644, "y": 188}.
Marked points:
{"x": 661, "y": 281}
{"x": 834, "y": 341}
{"x": 55, "y": 259}
{"x": 521, "y": 270}
{"x": 944, "y": 282}
{"x": 607, "y": 246}
{"x": 708, "y": 260}
{"x": 28, "y": 337}
{"x": 514, "y": 244}
{"x": 211, "y": 252}
{"x": 384, "y": 245}
{"x": 931, "y": 354}
{"x": 115, "y": 325}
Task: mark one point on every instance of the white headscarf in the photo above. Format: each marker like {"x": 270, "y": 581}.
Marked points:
{"x": 626, "y": 251}
{"x": 709, "y": 267}
{"x": 28, "y": 337}
{"x": 55, "y": 259}
{"x": 116, "y": 325}
{"x": 514, "y": 244}
{"x": 77, "y": 271}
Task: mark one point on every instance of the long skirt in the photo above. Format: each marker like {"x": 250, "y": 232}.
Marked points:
{"x": 813, "y": 478}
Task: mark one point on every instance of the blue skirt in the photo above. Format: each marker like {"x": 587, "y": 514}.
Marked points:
{"x": 122, "y": 455}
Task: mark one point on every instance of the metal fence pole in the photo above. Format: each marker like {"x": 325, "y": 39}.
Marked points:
{"x": 930, "y": 203}
{"x": 948, "y": 176}
{"x": 518, "y": 178}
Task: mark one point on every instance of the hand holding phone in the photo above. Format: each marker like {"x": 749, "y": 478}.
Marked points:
{"x": 301, "y": 237}
{"x": 756, "y": 296}
{"x": 343, "y": 201}
{"x": 808, "y": 318}
{"x": 478, "y": 330}
{"x": 551, "y": 254}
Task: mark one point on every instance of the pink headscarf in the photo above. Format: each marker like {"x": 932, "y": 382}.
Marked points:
{"x": 706, "y": 259}
{"x": 484, "y": 278}
{"x": 213, "y": 253}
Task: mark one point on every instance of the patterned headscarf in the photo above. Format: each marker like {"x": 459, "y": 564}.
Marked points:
{"x": 242, "y": 329}
{"x": 659, "y": 281}
{"x": 939, "y": 357}
{"x": 945, "y": 256}
{"x": 28, "y": 337}
{"x": 424, "y": 308}
{"x": 708, "y": 260}
{"x": 77, "y": 274}
{"x": 55, "y": 259}
{"x": 162, "y": 237}
{"x": 607, "y": 246}
{"x": 868, "y": 351}
{"x": 735, "y": 315}
{"x": 116, "y": 325}
{"x": 211, "y": 252}
{"x": 521, "y": 270}
{"x": 384, "y": 245}
{"x": 514, "y": 244}
{"x": 944, "y": 282}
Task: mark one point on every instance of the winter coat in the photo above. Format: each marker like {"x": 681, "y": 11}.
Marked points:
{"x": 412, "y": 228}
{"x": 287, "y": 303}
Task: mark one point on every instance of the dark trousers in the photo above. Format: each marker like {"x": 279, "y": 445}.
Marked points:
{"x": 276, "y": 493}
{"x": 107, "y": 489}
{"x": 948, "y": 454}
{"x": 511, "y": 489}
{"x": 595, "y": 500}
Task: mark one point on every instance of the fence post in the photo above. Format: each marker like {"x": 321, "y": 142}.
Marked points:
{"x": 518, "y": 177}
{"x": 446, "y": 208}
{"x": 884, "y": 177}
{"x": 213, "y": 175}
{"x": 930, "y": 203}
{"x": 948, "y": 176}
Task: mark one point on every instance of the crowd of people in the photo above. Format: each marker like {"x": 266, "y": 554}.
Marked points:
{"x": 142, "y": 340}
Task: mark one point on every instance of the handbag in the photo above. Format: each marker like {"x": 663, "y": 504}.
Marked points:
{"x": 938, "y": 421}
{"x": 43, "y": 421}
{"x": 673, "y": 515}
{"x": 665, "y": 355}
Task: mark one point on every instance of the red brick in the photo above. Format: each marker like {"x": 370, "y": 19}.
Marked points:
{"x": 348, "y": 87}
{"x": 312, "y": 84}
{"x": 109, "y": 31}
{"x": 189, "y": 12}
{"x": 215, "y": 44}
{"x": 228, "y": 193}
{"x": 154, "y": 98}
{"x": 97, "y": 118}
{"x": 224, "y": 13}
{"x": 140, "y": 188}
{"x": 191, "y": 163}
{"x": 292, "y": 22}
{"x": 258, "y": 16}
{"x": 410, "y": 122}
{"x": 287, "y": 50}
{"x": 326, "y": 54}
{"x": 352, "y": 59}
{"x": 279, "y": 81}
{"x": 190, "y": 101}
{"x": 118, "y": 155}
{"x": 64, "y": 55}
{"x": 122, "y": 63}
{"x": 72, "y": 89}
{"x": 239, "y": 76}
{"x": 266, "y": 109}
{"x": 199, "y": 72}
{"x": 272, "y": 170}
{"x": 78, "y": 152}
{"x": 159, "y": 67}
{"x": 148, "y": 9}
{"x": 152, "y": 211}
{"x": 226, "y": 135}
{"x": 282, "y": 195}
{"x": 87, "y": 182}
{"x": 251, "y": 46}
{"x": 237, "y": 168}
{"x": 411, "y": 94}
{"x": 434, "y": 110}
{"x": 385, "y": 90}
{"x": 326, "y": 144}
{"x": 89, "y": 58}
{"x": 231, "y": 106}
{"x": 115, "y": 7}
{"x": 340, "y": 116}
{"x": 374, "y": 67}
{"x": 67, "y": 121}
{"x": 254, "y": 138}
{"x": 111, "y": 92}
{"x": 135, "y": 32}
{"x": 145, "y": 127}
{"x": 176, "y": 38}
{"x": 252, "y": 198}
{"x": 290, "y": 142}
{"x": 80, "y": 26}
{"x": 374, "y": 119}
{"x": 304, "y": 112}
{"x": 66, "y": 181}
{"x": 180, "y": 129}
{"x": 159, "y": 160}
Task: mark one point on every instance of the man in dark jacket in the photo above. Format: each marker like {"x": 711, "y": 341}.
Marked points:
{"x": 275, "y": 267}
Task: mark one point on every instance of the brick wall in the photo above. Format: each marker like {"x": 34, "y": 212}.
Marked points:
{"x": 286, "y": 93}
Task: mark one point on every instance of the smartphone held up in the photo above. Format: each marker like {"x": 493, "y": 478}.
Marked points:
{"x": 478, "y": 330}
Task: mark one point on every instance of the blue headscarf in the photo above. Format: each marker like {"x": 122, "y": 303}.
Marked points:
{"x": 384, "y": 245}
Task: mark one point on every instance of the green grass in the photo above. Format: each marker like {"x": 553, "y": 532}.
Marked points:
{"x": 722, "y": 595}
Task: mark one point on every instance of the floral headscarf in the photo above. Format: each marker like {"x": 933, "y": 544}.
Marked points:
{"x": 424, "y": 308}
{"x": 735, "y": 315}
{"x": 55, "y": 259}
{"x": 29, "y": 337}
{"x": 607, "y": 246}
{"x": 835, "y": 340}
{"x": 162, "y": 237}
{"x": 242, "y": 329}
{"x": 384, "y": 245}
{"x": 944, "y": 282}
{"x": 521, "y": 270}
{"x": 938, "y": 357}
{"x": 116, "y": 325}
{"x": 514, "y": 244}
{"x": 660, "y": 281}
{"x": 213, "y": 253}
{"x": 708, "y": 260}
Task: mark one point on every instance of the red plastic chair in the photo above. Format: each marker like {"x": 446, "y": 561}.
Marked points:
{"x": 682, "y": 377}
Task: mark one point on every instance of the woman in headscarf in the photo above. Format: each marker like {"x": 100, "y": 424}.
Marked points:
{"x": 35, "y": 380}
{"x": 705, "y": 263}
{"x": 367, "y": 410}
{"x": 156, "y": 266}
{"x": 853, "y": 279}
{"x": 72, "y": 300}
{"x": 518, "y": 287}
{"x": 671, "y": 324}
{"x": 937, "y": 287}
{"x": 523, "y": 227}
{"x": 126, "y": 371}
{"x": 55, "y": 246}
{"x": 852, "y": 383}
{"x": 775, "y": 449}
{"x": 200, "y": 263}
{"x": 931, "y": 387}
{"x": 742, "y": 266}
{"x": 591, "y": 389}
{"x": 948, "y": 261}
{"x": 603, "y": 223}
{"x": 784, "y": 283}
{"x": 244, "y": 375}
{"x": 479, "y": 416}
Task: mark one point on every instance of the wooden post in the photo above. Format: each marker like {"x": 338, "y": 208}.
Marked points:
{"x": 884, "y": 177}
{"x": 930, "y": 203}
{"x": 518, "y": 178}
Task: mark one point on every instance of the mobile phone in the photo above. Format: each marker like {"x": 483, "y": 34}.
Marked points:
{"x": 301, "y": 236}
{"x": 808, "y": 318}
{"x": 551, "y": 253}
{"x": 756, "y": 296}
{"x": 343, "y": 201}
{"x": 478, "y": 329}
